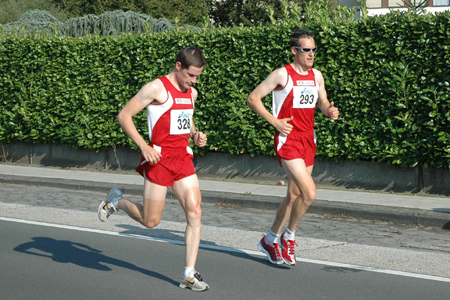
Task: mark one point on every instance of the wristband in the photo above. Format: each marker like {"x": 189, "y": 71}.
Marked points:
{"x": 192, "y": 135}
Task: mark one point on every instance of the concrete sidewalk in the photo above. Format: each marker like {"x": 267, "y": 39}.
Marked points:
{"x": 403, "y": 209}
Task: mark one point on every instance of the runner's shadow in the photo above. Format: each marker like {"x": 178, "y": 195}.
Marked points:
{"x": 177, "y": 237}
{"x": 244, "y": 255}
{"x": 443, "y": 210}
{"x": 81, "y": 255}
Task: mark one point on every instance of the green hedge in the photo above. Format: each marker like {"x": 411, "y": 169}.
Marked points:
{"x": 388, "y": 75}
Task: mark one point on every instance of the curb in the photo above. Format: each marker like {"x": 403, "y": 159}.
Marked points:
{"x": 397, "y": 215}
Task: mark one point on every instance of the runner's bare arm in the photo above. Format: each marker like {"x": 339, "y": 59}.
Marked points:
{"x": 198, "y": 137}
{"x": 277, "y": 79}
{"x": 151, "y": 92}
{"x": 325, "y": 106}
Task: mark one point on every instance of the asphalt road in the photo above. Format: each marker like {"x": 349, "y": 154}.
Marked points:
{"x": 332, "y": 228}
{"x": 64, "y": 252}
{"x": 41, "y": 262}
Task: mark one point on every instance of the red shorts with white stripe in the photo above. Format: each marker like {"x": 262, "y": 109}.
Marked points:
{"x": 296, "y": 145}
{"x": 175, "y": 164}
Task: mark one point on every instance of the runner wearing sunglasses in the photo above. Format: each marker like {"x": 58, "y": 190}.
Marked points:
{"x": 297, "y": 89}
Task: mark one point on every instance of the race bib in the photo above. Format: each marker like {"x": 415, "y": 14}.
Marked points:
{"x": 181, "y": 121}
{"x": 305, "y": 97}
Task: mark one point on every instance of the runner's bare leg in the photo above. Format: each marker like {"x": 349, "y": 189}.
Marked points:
{"x": 300, "y": 195}
{"x": 149, "y": 214}
{"x": 301, "y": 175}
{"x": 187, "y": 191}
{"x": 284, "y": 211}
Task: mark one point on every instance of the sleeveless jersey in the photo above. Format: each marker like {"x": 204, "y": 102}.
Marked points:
{"x": 297, "y": 99}
{"x": 169, "y": 123}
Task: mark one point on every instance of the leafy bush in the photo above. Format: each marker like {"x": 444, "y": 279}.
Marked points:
{"x": 12, "y": 10}
{"x": 109, "y": 23}
{"x": 388, "y": 76}
{"x": 191, "y": 12}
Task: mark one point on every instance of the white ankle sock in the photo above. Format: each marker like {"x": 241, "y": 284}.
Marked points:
{"x": 115, "y": 202}
{"x": 271, "y": 237}
{"x": 187, "y": 270}
{"x": 289, "y": 235}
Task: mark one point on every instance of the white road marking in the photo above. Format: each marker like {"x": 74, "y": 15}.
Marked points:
{"x": 221, "y": 248}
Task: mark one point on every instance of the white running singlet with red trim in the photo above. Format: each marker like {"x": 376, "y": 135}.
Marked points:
{"x": 297, "y": 99}
{"x": 169, "y": 123}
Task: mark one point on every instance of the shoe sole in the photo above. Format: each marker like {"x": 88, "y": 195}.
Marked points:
{"x": 100, "y": 207}
{"x": 100, "y": 210}
{"x": 261, "y": 248}
{"x": 288, "y": 262}
{"x": 183, "y": 286}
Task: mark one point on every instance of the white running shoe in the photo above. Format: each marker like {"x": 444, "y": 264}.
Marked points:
{"x": 106, "y": 208}
{"x": 193, "y": 281}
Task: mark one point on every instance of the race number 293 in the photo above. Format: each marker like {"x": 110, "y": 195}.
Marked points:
{"x": 305, "y": 97}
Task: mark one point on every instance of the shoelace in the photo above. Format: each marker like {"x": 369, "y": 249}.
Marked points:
{"x": 291, "y": 247}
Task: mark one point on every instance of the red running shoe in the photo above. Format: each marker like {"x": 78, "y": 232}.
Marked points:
{"x": 287, "y": 251}
{"x": 273, "y": 253}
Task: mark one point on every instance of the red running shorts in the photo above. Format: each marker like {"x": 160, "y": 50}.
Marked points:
{"x": 296, "y": 145}
{"x": 175, "y": 164}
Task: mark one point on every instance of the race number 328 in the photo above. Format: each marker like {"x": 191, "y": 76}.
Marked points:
{"x": 184, "y": 124}
{"x": 305, "y": 97}
{"x": 181, "y": 121}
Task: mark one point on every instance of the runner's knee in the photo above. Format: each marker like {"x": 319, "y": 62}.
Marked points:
{"x": 194, "y": 215}
{"x": 309, "y": 196}
{"x": 291, "y": 197}
{"x": 150, "y": 223}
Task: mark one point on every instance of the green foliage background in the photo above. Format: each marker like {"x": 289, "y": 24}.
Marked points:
{"x": 110, "y": 23}
{"x": 194, "y": 12}
{"x": 12, "y": 10}
{"x": 388, "y": 76}
{"x": 191, "y": 12}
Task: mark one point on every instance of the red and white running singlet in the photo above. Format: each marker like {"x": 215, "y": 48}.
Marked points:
{"x": 169, "y": 123}
{"x": 298, "y": 99}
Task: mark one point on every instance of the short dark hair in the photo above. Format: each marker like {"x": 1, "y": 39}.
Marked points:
{"x": 298, "y": 34}
{"x": 191, "y": 56}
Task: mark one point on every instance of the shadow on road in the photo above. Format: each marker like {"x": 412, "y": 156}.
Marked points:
{"x": 81, "y": 255}
{"x": 177, "y": 237}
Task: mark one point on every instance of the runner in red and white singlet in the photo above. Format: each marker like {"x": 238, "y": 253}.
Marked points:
{"x": 167, "y": 160}
{"x": 169, "y": 126}
{"x": 297, "y": 88}
{"x": 297, "y": 99}
{"x": 170, "y": 123}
